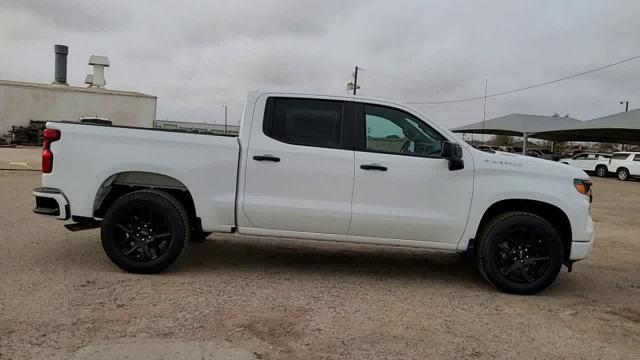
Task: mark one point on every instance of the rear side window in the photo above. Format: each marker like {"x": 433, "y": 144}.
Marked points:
{"x": 621, "y": 156}
{"x": 307, "y": 122}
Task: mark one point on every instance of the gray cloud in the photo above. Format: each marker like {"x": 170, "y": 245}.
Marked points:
{"x": 196, "y": 55}
{"x": 87, "y": 15}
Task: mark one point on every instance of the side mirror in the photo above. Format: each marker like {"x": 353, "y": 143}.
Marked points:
{"x": 453, "y": 153}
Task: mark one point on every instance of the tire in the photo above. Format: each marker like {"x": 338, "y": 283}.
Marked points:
{"x": 601, "y": 171}
{"x": 145, "y": 231}
{"x": 537, "y": 253}
{"x": 623, "y": 174}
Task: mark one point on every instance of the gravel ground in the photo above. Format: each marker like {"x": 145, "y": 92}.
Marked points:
{"x": 301, "y": 300}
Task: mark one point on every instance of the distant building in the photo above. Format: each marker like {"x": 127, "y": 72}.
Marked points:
{"x": 21, "y": 102}
{"x": 196, "y": 127}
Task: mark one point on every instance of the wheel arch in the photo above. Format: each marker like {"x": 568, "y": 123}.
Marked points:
{"x": 119, "y": 184}
{"x": 551, "y": 213}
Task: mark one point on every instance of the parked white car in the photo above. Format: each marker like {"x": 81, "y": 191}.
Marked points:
{"x": 328, "y": 168}
{"x": 596, "y": 162}
{"x": 625, "y": 164}
{"x": 540, "y": 153}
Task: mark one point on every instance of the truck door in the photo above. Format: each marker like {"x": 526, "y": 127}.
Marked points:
{"x": 581, "y": 161}
{"x": 299, "y": 167}
{"x": 403, "y": 189}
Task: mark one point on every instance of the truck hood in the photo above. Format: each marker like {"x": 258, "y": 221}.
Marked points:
{"x": 527, "y": 164}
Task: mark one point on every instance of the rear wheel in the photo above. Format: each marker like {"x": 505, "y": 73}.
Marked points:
{"x": 601, "y": 170}
{"x": 520, "y": 253}
{"x": 623, "y": 174}
{"x": 145, "y": 231}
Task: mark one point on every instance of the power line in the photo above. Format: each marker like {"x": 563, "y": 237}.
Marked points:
{"x": 512, "y": 90}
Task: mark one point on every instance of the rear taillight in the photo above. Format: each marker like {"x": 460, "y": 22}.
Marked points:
{"x": 49, "y": 136}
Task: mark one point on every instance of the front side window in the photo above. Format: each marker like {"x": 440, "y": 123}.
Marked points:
{"x": 580, "y": 157}
{"x": 392, "y": 131}
{"x": 636, "y": 157}
{"x": 307, "y": 122}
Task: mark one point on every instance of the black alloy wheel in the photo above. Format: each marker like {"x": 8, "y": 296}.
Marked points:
{"x": 523, "y": 255}
{"x": 142, "y": 233}
{"x": 145, "y": 231}
{"x": 520, "y": 253}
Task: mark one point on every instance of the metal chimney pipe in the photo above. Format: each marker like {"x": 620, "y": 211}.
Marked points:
{"x": 60, "y": 77}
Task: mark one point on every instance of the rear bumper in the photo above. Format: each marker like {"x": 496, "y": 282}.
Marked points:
{"x": 51, "y": 202}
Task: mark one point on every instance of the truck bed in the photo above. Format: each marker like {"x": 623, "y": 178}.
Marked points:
{"x": 89, "y": 157}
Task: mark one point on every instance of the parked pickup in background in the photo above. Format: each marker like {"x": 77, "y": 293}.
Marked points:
{"x": 325, "y": 168}
{"x": 598, "y": 163}
{"x": 625, "y": 165}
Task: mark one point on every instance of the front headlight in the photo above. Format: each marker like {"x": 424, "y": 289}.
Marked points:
{"x": 583, "y": 187}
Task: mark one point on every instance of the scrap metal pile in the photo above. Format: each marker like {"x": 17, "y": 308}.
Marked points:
{"x": 24, "y": 135}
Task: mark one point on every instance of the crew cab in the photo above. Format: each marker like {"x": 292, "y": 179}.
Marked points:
{"x": 315, "y": 167}
{"x": 596, "y": 162}
{"x": 625, "y": 164}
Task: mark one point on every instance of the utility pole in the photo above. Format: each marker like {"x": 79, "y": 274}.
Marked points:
{"x": 626, "y": 108}
{"x": 355, "y": 80}
{"x": 484, "y": 107}
{"x": 225, "y": 118}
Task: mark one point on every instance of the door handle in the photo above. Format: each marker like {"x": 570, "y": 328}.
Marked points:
{"x": 373, "y": 167}
{"x": 266, "y": 158}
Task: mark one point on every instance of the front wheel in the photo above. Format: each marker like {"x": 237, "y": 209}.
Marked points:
{"x": 520, "y": 253}
{"x": 601, "y": 171}
{"x": 145, "y": 231}
{"x": 623, "y": 174}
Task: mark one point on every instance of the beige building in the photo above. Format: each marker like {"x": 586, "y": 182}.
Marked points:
{"x": 21, "y": 102}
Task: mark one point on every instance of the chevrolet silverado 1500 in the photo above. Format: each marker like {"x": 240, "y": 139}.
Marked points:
{"x": 316, "y": 167}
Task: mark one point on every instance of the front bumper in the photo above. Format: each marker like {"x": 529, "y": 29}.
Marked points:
{"x": 581, "y": 249}
{"x": 51, "y": 202}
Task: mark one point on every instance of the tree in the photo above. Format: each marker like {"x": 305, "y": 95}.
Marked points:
{"x": 503, "y": 140}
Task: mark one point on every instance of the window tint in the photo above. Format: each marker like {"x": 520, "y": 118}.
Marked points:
{"x": 591, "y": 157}
{"x": 620, "y": 156}
{"x": 393, "y": 131}
{"x": 636, "y": 158}
{"x": 580, "y": 157}
{"x": 305, "y": 121}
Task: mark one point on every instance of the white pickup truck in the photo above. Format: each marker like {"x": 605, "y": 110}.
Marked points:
{"x": 326, "y": 168}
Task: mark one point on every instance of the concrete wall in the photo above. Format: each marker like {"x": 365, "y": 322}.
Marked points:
{"x": 21, "y": 102}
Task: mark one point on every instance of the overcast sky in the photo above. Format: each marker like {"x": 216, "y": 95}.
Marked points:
{"x": 197, "y": 55}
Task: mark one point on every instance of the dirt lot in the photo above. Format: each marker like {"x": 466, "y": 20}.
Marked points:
{"x": 301, "y": 300}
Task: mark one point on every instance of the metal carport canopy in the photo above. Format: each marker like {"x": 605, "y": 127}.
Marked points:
{"x": 520, "y": 125}
{"x": 622, "y": 127}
